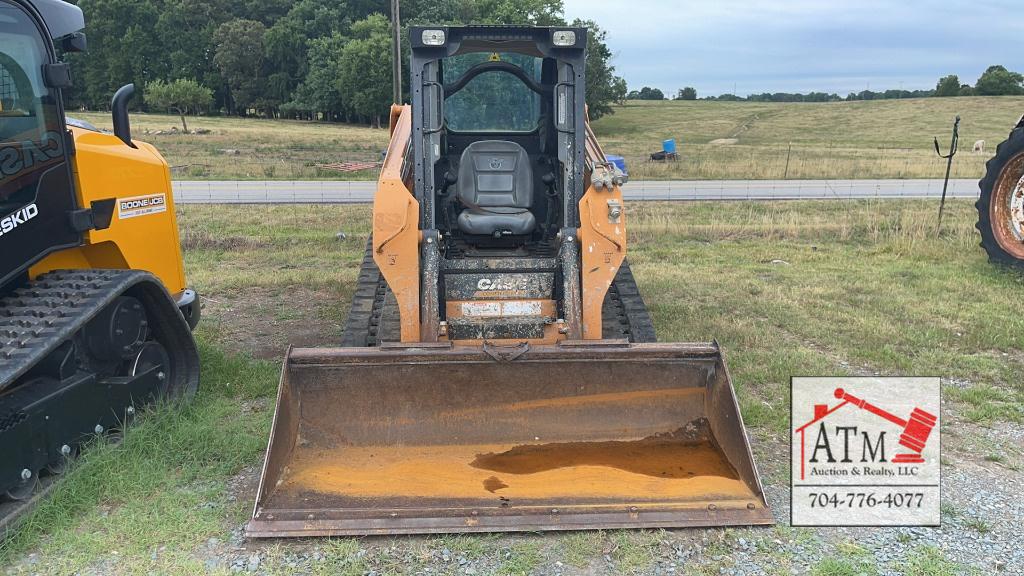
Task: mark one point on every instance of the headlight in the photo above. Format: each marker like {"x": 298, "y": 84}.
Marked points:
{"x": 433, "y": 37}
{"x": 564, "y": 38}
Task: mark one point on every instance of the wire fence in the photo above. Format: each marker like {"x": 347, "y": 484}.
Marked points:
{"x": 695, "y": 162}
{"x": 353, "y": 192}
{"x": 793, "y": 161}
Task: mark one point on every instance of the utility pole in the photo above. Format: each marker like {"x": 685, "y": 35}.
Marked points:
{"x": 396, "y": 50}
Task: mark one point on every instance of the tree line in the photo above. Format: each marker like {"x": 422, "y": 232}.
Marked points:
{"x": 313, "y": 59}
{"x": 994, "y": 81}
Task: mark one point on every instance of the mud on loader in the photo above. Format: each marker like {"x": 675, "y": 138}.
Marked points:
{"x": 500, "y": 371}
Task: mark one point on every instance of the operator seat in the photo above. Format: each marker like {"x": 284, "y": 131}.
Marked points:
{"x": 496, "y": 185}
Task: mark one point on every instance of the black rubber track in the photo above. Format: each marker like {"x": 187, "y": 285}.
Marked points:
{"x": 373, "y": 317}
{"x": 46, "y": 313}
{"x": 364, "y": 315}
{"x": 1012, "y": 147}
{"x": 36, "y": 318}
{"x": 624, "y": 314}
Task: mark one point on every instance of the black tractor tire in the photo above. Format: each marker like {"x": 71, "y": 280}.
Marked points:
{"x": 1003, "y": 180}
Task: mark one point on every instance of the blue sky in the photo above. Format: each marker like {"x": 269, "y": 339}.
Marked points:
{"x": 805, "y": 45}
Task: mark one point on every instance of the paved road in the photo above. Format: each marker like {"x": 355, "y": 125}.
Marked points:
{"x": 335, "y": 192}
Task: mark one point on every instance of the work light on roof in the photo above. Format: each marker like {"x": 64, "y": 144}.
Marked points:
{"x": 433, "y": 37}
{"x": 564, "y": 38}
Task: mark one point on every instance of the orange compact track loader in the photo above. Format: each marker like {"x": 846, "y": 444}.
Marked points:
{"x": 499, "y": 369}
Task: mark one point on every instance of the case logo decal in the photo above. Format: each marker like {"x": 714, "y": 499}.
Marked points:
{"x": 21, "y": 156}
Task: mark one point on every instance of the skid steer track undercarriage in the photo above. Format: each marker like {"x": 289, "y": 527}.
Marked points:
{"x": 373, "y": 315}
{"x": 81, "y": 350}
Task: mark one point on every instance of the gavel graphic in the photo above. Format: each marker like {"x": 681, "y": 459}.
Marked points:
{"x": 916, "y": 429}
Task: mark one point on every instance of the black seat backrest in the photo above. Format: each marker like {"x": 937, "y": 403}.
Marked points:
{"x": 495, "y": 174}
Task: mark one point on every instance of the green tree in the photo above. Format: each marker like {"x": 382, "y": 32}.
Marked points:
{"x": 948, "y": 86}
{"x": 288, "y": 40}
{"x": 239, "y": 56}
{"x": 532, "y": 12}
{"x": 688, "y": 93}
{"x": 184, "y": 96}
{"x": 121, "y": 48}
{"x": 966, "y": 90}
{"x": 620, "y": 91}
{"x": 364, "y": 69}
{"x": 604, "y": 88}
{"x": 320, "y": 91}
{"x": 185, "y": 32}
{"x": 998, "y": 81}
{"x": 646, "y": 93}
{"x": 285, "y": 56}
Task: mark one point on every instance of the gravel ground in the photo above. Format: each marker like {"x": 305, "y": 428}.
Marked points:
{"x": 982, "y": 513}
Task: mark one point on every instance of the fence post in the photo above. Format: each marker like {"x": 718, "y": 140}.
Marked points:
{"x": 949, "y": 164}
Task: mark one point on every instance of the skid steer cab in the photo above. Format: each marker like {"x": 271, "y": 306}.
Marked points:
{"x": 492, "y": 183}
{"x": 95, "y": 312}
{"x": 499, "y": 369}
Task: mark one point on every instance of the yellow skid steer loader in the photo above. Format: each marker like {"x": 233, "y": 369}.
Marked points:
{"x": 499, "y": 369}
{"x": 95, "y": 311}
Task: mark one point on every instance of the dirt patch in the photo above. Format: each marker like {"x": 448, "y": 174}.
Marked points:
{"x": 264, "y": 322}
{"x": 998, "y": 447}
{"x": 198, "y": 239}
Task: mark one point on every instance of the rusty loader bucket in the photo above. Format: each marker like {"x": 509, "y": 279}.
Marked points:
{"x": 435, "y": 439}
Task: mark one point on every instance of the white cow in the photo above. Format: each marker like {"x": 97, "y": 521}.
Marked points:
{"x": 979, "y": 146}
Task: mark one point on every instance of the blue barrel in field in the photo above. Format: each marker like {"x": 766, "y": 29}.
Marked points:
{"x": 619, "y": 162}
{"x": 669, "y": 146}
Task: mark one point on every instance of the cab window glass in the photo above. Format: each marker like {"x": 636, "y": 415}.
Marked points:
{"x": 30, "y": 139}
{"x": 27, "y": 112}
{"x": 492, "y": 101}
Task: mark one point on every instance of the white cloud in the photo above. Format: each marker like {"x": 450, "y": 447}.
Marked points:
{"x": 803, "y": 45}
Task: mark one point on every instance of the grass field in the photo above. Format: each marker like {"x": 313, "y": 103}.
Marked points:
{"x": 787, "y": 288}
{"x": 254, "y": 149}
{"x": 865, "y": 139}
{"x": 872, "y": 139}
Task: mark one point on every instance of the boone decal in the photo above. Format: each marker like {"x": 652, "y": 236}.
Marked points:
{"x": 141, "y": 206}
